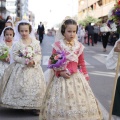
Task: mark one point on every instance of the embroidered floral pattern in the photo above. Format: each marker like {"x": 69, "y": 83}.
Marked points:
{"x": 26, "y": 86}
{"x": 70, "y": 99}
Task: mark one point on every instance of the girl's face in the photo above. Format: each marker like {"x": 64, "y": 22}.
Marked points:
{"x": 24, "y": 31}
{"x": 9, "y": 34}
{"x": 10, "y": 17}
{"x": 70, "y": 32}
{"x": 8, "y": 24}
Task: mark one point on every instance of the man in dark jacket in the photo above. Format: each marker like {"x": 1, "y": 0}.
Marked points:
{"x": 90, "y": 30}
{"x": 40, "y": 31}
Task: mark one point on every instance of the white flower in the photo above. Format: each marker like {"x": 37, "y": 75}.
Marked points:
{"x": 29, "y": 55}
{"x": 113, "y": 27}
{"x": 3, "y": 49}
{"x": 29, "y": 49}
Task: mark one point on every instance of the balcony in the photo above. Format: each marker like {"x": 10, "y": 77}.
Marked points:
{"x": 100, "y": 11}
{"x": 87, "y": 3}
{"x": 103, "y": 10}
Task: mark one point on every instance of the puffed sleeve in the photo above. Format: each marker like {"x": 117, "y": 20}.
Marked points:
{"x": 38, "y": 55}
{"x": 15, "y": 53}
{"x": 82, "y": 65}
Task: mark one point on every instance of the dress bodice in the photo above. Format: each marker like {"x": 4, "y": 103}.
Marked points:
{"x": 72, "y": 53}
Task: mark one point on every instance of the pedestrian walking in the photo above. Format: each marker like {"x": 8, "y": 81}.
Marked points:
{"x": 90, "y": 30}
{"x": 9, "y": 23}
{"x": 78, "y": 33}
{"x": 68, "y": 95}
{"x": 8, "y": 18}
{"x": 96, "y": 33}
{"x": 82, "y": 35}
{"x": 23, "y": 81}
{"x": 105, "y": 36}
{"x": 111, "y": 63}
{"x": 105, "y": 32}
{"x": 41, "y": 31}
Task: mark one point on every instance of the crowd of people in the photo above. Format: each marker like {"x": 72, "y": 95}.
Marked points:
{"x": 92, "y": 33}
{"x": 66, "y": 95}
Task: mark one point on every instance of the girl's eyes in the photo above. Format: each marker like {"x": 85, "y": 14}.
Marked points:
{"x": 24, "y": 31}
{"x": 72, "y": 31}
{"x": 8, "y": 34}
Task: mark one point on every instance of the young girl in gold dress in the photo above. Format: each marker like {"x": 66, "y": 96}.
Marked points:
{"x": 24, "y": 84}
{"x": 68, "y": 95}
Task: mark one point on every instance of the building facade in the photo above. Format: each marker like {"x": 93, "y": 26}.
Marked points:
{"x": 22, "y": 8}
{"x": 11, "y": 8}
{"x": 95, "y": 8}
{"x": 25, "y": 11}
{"x": 32, "y": 17}
{"x": 3, "y": 10}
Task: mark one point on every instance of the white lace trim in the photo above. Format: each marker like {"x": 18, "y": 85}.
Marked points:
{"x": 73, "y": 54}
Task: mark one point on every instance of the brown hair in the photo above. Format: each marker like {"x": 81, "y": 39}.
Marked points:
{"x": 24, "y": 23}
{"x": 9, "y": 22}
{"x": 68, "y": 22}
{"x": 9, "y": 28}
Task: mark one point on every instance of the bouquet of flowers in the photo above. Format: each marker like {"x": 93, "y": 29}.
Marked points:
{"x": 114, "y": 17}
{"x": 57, "y": 61}
{"x": 28, "y": 53}
{"x": 4, "y": 52}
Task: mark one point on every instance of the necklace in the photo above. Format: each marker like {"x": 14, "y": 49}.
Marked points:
{"x": 70, "y": 44}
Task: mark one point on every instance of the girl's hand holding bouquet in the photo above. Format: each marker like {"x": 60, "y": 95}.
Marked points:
{"x": 58, "y": 63}
{"x": 28, "y": 53}
{"x": 31, "y": 63}
{"x": 65, "y": 74}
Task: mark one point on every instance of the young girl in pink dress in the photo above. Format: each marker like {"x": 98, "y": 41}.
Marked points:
{"x": 68, "y": 95}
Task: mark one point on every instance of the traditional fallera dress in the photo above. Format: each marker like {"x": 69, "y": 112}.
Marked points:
{"x": 70, "y": 99}
{"x": 4, "y": 65}
{"x": 23, "y": 87}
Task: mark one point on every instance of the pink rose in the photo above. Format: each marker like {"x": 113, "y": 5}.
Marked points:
{"x": 27, "y": 61}
{"x": 59, "y": 56}
{"x": 56, "y": 57}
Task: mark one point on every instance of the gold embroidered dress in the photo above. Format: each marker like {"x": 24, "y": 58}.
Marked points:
{"x": 23, "y": 87}
{"x": 69, "y": 99}
{"x": 4, "y": 65}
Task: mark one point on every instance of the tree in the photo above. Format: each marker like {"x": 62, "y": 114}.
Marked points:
{"x": 88, "y": 20}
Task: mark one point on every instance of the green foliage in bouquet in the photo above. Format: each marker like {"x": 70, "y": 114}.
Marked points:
{"x": 52, "y": 59}
{"x": 3, "y": 53}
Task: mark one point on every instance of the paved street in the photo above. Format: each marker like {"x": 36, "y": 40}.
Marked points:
{"x": 101, "y": 79}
